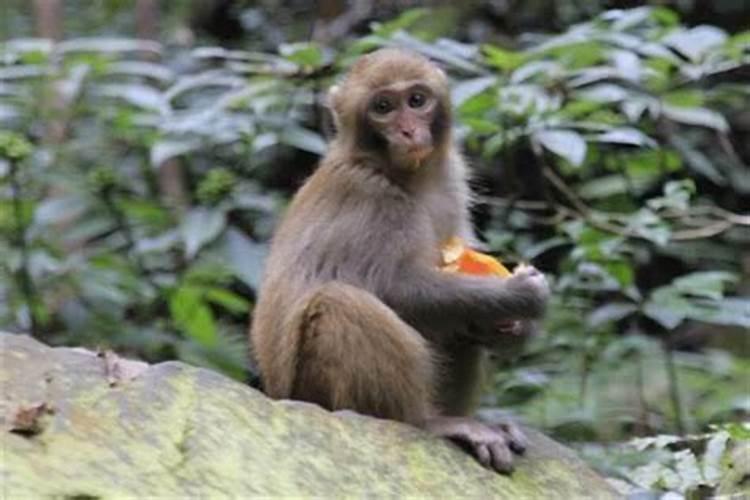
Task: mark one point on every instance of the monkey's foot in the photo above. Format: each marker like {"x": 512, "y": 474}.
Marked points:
{"x": 492, "y": 445}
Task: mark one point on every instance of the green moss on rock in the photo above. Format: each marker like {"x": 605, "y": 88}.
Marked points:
{"x": 173, "y": 430}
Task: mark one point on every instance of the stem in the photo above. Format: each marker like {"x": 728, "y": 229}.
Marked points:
{"x": 674, "y": 390}
{"x": 23, "y": 276}
{"x": 122, "y": 225}
{"x": 642, "y": 405}
{"x": 583, "y": 390}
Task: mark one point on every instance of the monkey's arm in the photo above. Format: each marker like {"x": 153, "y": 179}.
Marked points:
{"x": 449, "y": 302}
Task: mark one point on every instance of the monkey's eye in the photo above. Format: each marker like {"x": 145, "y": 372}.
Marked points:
{"x": 381, "y": 105}
{"x": 417, "y": 100}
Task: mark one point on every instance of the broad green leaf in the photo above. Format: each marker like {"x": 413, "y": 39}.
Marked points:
{"x": 191, "y": 313}
{"x": 565, "y": 143}
{"x": 449, "y": 58}
{"x": 604, "y": 92}
{"x": 503, "y": 59}
{"x": 712, "y": 458}
{"x": 402, "y": 22}
{"x": 667, "y": 307}
{"x": 200, "y": 226}
{"x": 603, "y": 187}
{"x": 695, "y": 43}
{"x": 303, "y": 53}
{"x": 685, "y": 98}
{"x": 688, "y": 469}
{"x": 166, "y": 149}
{"x": 613, "y": 311}
{"x": 728, "y": 311}
{"x": 158, "y": 72}
{"x": 697, "y": 160}
{"x": 708, "y": 284}
{"x": 677, "y": 195}
{"x": 626, "y": 135}
{"x": 470, "y": 88}
{"x": 142, "y": 96}
{"x": 304, "y": 139}
{"x": 112, "y": 45}
{"x": 228, "y": 300}
{"x": 244, "y": 256}
{"x": 696, "y": 116}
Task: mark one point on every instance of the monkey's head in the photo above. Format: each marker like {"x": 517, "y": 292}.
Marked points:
{"x": 394, "y": 104}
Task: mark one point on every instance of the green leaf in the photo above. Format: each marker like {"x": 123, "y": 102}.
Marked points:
{"x": 469, "y": 88}
{"x": 696, "y": 116}
{"x": 304, "y": 139}
{"x": 677, "y": 195}
{"x": 303, "y": 53}
{"x": 565, "y": 143}
{"x": 167, "y": 149}
{"x": 228, "y": 300}
{"x": 603, "y": 187}
{"x": 503, "y": 59}
{"x": 695, "y": 43}
{"x": 200, "y": 226}
{"x": 665, "y": 16}
{"x": 626, "y": 135}
{"x": 621, "y": 271}
{"x": 14, "y": 146}
{"x": 604, "y": 93}
{"x": 697, "y": 160}
{"x": 712, "y": 458}
{"x": 708, "y": 284}
{"x": 192, "y": 315}
{"x": 687, "y": 468}
{"x": 613, "y": 311}
{"x": 244, "y": 256}
{"x": 684, "y": 98}
{"x": 402, "y": 22}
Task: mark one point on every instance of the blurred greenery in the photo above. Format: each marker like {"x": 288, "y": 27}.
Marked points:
{"x": 140, "y": 182}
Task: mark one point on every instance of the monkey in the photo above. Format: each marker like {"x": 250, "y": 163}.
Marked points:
{"x": 353, "y": 312}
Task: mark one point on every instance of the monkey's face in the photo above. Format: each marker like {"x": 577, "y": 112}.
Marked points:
{"x": 404, "y": 115}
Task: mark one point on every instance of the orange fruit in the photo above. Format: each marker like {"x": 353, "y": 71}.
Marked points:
{"x": 457, "y": 257}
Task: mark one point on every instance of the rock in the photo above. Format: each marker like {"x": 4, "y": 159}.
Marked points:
{"x": 78, "y": 424}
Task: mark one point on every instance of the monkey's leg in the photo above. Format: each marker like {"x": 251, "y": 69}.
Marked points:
{"x": 462, "y": 376}
{"x": 355, "y": 353}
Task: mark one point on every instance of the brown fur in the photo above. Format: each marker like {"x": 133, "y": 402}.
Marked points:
{"x": 353, "y": 312}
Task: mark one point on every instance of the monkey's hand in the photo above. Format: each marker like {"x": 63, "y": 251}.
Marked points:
{"x": 492, "y": 445}
{"x": 530, "y": 285}
{"x": 507, "y": 338}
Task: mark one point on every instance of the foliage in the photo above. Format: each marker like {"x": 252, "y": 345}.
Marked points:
{"x": 139, "y": 187}
{"x": 693, "y": 466}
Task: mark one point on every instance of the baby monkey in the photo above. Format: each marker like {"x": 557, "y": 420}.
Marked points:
{"x": 354, "y": 312}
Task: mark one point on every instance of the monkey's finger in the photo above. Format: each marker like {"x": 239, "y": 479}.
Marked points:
{"x": 517, "y": 440}
{"x": 502, "y": 458}
{"x": 482, "y": 452}
{"x": 509, "y": 327}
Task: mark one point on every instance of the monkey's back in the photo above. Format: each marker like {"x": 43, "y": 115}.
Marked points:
{"x": 338, "y": 227}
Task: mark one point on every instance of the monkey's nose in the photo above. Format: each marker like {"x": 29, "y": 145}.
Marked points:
{"x": 408, "y": 133}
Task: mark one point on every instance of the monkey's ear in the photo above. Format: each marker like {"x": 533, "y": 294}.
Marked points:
{"x": 333, "y": 103}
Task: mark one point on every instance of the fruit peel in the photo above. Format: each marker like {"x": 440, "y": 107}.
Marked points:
{"x": 457, "y": 257}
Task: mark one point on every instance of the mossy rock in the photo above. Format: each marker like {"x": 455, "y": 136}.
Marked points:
{"x": 75, "y": 424}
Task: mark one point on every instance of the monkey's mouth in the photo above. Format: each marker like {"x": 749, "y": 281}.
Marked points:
{"x": 418, "y": 152}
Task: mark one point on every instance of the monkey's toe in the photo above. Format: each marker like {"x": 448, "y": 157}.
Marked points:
{"x": 502, "y": 458}
{"x": 517, "y": 440}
